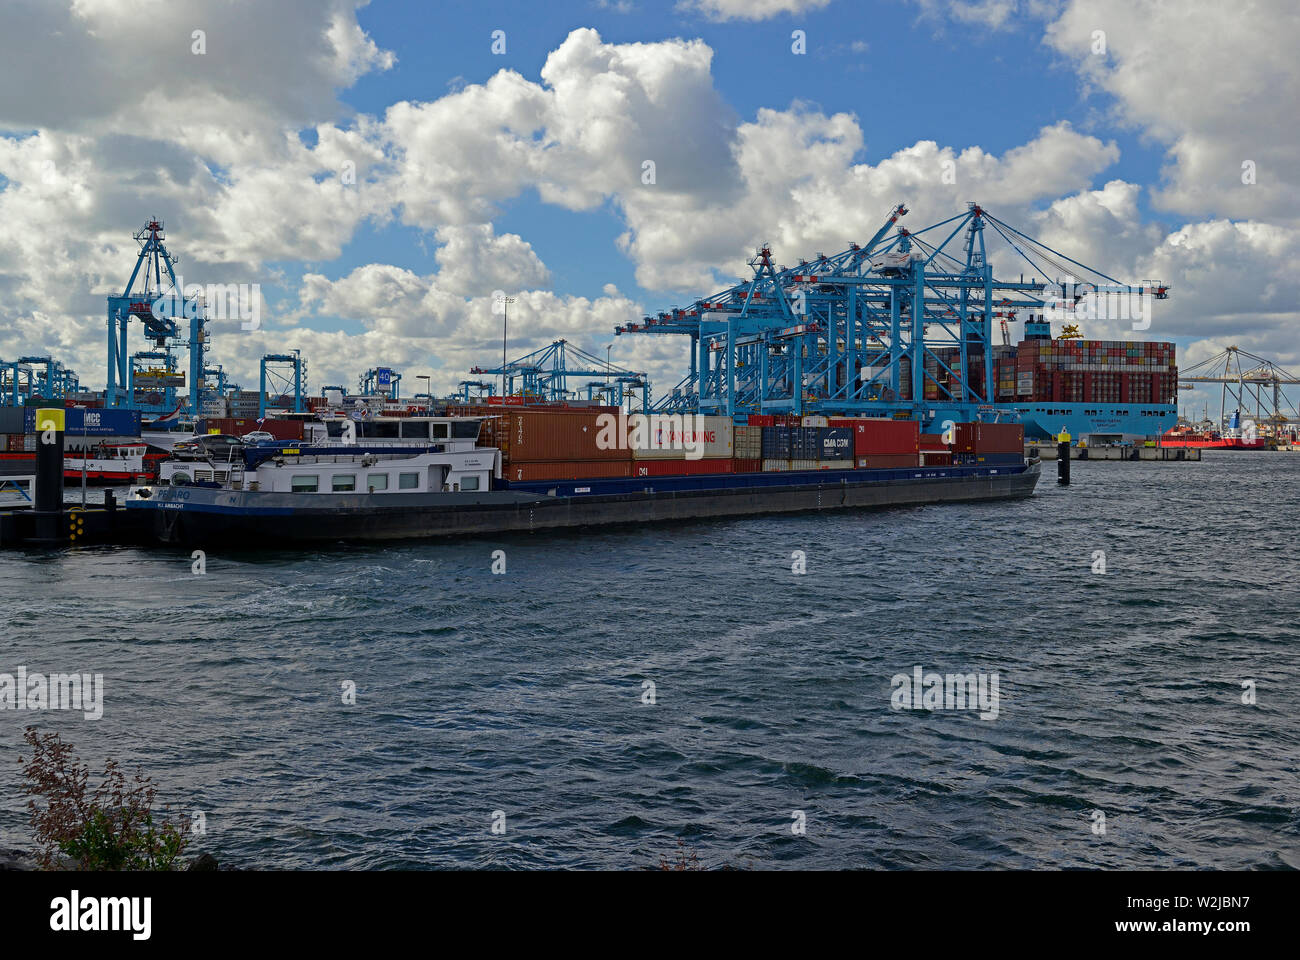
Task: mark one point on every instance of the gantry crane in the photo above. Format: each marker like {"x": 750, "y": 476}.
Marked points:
{"x": 544, "y": 375}
{"x": 862, "y": 331}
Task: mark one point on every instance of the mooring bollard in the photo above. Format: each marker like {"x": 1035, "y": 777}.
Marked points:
{"x": 49, "y": 474}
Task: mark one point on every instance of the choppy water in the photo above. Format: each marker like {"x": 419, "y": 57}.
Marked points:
{"x": 522, "y": 693}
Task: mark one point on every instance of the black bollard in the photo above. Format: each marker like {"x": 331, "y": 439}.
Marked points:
{"x": 1063, "y": 463}
{"x": 49, "y": 474}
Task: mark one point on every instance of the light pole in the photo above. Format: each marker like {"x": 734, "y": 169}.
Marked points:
{"x": 505, "y": 318}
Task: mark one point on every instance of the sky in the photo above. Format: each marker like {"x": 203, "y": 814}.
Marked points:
{"x": 379, "y": 169}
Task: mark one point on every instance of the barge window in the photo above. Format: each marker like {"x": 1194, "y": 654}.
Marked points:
{"x": 377, "y": 481}
{"x": 465, "y": 429}
{"x": 418, "y": 430}
{"x": 441, "y": 431}
{"x": 344, "y": 482}
{"x": 304, "y": 484}
{"x": 408, "y": 481}
{"x": 469, "y": 482}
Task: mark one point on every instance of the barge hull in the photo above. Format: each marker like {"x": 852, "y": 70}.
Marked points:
{"x": 200, "y": 516}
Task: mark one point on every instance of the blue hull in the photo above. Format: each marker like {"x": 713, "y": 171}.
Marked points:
{"x": 1128, "y": 421}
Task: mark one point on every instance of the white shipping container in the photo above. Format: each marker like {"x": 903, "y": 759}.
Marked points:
{"x": 669, "y": 436}
{"x": 774, "y": 465}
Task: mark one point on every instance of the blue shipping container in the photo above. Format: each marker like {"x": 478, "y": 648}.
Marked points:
{"x": 836, "y": 443}
{"x": 93, "y": 422}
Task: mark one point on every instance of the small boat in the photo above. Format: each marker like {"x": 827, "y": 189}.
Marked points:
{"x": 113, "y": 463}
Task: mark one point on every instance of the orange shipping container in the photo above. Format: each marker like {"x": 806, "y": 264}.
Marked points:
{"x": 536, "y": 436}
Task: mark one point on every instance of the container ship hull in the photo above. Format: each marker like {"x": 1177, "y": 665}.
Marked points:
{"x": 201, "y": 515}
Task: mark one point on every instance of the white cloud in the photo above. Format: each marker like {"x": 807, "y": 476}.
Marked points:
{"x": 722, "y": 10}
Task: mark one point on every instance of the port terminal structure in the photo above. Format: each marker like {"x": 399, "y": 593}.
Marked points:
{"x": 1250, "y": 384}
{"x": 22, "y": 382}
{"x": 856, "y": 333}
{"x": 544, "y": 375}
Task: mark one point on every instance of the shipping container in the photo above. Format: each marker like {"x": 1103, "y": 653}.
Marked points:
{"x": 836, "y": 443}
{"x": 776, "y": 443}
{"x": 747, "y": 465}
{"x": 933, "y": 441}
{"x": 680, "y": 468}
{"x": 762, "y": 420}
{"x": 934, "y": 459}
{"x": 288, "y": 430}
{"x": 666, "y": 436}
{"x": 990, "y": 438}
{"x": 811, "y": 421}
{"x": 747, "y": 443}
{"x": 568, "y": 470}
{"x": 889, "y": 461}
{"x": 13, "y": 419}
{"x": 886, "y": 437}
{"x": 98, "y": 422}
{"x": 537, "y": 436}
{"x": 775, "y": 464}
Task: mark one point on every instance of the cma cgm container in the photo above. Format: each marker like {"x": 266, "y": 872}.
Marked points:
{"x": 776, "y": 443}
{"x": 568, "y": 470}
{"x": 836, "y": 443}
{"x": 539, "y": 436}
{"x": 882, "y": 436}
{"x": 681, "y": 468}
{"x": 669, "y": 437}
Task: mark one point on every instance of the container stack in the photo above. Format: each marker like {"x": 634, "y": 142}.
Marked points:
{"x": 1091, "y": 371}
{"x": 539, "y": 444}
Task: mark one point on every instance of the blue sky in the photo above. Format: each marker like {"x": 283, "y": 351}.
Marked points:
{"x": 905, "y": 77}
{"x": 1129, "y": 159}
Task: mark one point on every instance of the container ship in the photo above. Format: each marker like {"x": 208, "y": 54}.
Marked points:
{"x": 1098, "y": 391}
{"x": 529, "y": 469}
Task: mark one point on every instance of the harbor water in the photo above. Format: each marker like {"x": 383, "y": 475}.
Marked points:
{"x": 616, "y": 691}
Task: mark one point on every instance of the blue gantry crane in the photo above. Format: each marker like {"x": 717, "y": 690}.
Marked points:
{"x": 900, "y": 326}
{"x": 154, "y": 297}
{"x": 281, "y": 380}
{"x": 381, "y": 382}
{"x": 544, "y": 375}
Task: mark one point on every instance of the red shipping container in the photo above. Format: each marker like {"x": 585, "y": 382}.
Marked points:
{"x": 238, "y": 426}
{"x": 933, "y": 441}
{"x": 888, "y": 461}
{"x": 937, "y": 459}
{"x": 886, "y": 437}
{"x": 681, "y": 468}
{"x": 747, "y": 466}
{"x": 762, "y": 420}
{"x": 569, "y": 470}
{"x": 999, "y": 438}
